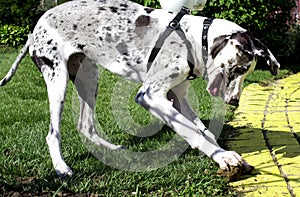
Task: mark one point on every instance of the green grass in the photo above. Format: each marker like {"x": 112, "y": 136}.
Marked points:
{"x": 25, "y": 164}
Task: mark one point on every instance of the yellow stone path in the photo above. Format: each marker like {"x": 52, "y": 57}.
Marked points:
{"x": 268, "y": 137}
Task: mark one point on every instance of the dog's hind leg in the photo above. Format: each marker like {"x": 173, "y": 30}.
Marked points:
{"x": 56, "y": 80}
{"x": 86, "y": 82}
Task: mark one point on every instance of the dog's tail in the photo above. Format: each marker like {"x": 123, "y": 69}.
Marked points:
{"x": 15, "y": 65}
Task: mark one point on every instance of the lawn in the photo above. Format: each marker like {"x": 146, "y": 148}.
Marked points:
{"x": 25, "y": 164}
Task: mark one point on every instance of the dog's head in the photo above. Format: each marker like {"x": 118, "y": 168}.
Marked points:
{"x": 233, "y": 57}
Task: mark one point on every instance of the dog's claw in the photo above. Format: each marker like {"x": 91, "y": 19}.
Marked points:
{"x": 123, "y": 148}
{"x": 64, "y": 171}
{"x": 63, "y": 175}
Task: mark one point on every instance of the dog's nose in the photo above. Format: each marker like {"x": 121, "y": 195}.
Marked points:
{"x": 234, "y": 102}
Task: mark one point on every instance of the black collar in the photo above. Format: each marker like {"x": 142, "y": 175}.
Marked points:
{"x": 174, "y": 25}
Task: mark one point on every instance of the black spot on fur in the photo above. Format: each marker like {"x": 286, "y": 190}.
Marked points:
{"x": 41, "y": 61}
{"x": 142, "y": 21}
{"x": 124, "y": 5}
{"x": 51, "y": 128}
{"x": 49, "y": 42}
{"x": 108, "y": 28}
{"x": 122, "y": 48}
{"x": 75, "y": 27}
{"x": 47, "y": 62}
{"x": 113, "y": 9}
{"x": 100, "y": 9}
{"x": 149, "y": 10}
{"x": 174, "y": 75}
{"x": 80, "y": 46}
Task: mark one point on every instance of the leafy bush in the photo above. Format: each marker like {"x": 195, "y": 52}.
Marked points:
{"x": 291, "y": 51}
{"x": 149, "y": 3}
{"x": 20, "y": 13}
{"x": 14, "y": 36}
{"x": 48, "y": 4}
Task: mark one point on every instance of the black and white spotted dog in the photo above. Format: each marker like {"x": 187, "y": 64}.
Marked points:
{"x": 142, "y": 45}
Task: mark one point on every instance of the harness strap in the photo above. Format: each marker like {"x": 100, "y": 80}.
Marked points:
{"x": 206, "y": 24}
{"x": 190, "y": 57}
{"x": 174, "y": 25}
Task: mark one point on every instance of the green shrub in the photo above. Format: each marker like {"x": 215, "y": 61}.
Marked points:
{"x": 19, "y": 13}
{"x": 149, "y": 3}
{"x": 290, "y": 52}
{"x": 13, "y": 36}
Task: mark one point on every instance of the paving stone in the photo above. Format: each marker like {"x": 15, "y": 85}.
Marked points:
{"x": 268, "y": 137}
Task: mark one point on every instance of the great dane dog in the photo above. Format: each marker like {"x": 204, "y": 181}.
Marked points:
{"x": 130, "y": 40}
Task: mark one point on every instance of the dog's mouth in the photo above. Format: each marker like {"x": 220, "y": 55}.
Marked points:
{"x": 215, "y": 87}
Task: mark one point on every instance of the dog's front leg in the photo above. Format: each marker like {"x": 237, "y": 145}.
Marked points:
{"x": 158, "y": 104}
{"x": 179, "y": 97}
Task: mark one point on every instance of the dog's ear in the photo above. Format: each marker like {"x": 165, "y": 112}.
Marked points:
{"x": 218, "y": 44}
{"x": 261, "y": 50}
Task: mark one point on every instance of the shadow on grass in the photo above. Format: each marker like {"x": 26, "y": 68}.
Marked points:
{"x": 247, "y": 140}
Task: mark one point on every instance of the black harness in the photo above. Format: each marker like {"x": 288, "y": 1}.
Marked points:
{"x": 206, "y": 24}
{"x": 174, "y": 25}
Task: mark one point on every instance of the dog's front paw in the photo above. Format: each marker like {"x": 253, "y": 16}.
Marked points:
{"x": 63, "y": 170}
{"x": 232, "y": 165}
